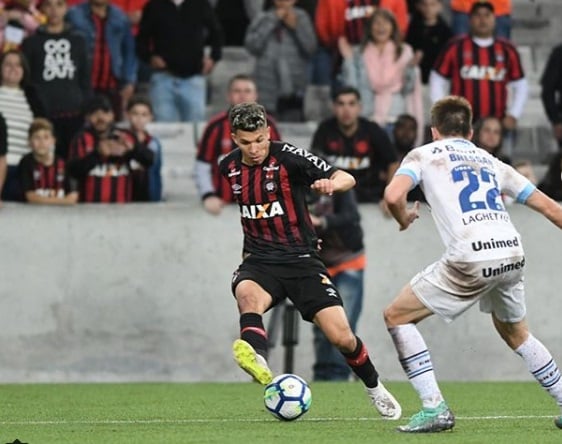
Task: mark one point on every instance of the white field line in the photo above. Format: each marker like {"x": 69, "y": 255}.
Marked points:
{"x": 239, "y": 420}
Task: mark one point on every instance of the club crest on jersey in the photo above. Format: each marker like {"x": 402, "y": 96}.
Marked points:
{"x": 236, "y": 188}
{"x": 262, "y": 211}
{"x": 270, "y": 186}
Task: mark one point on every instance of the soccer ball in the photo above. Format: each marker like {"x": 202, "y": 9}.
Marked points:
{"x": 287, "y": 397}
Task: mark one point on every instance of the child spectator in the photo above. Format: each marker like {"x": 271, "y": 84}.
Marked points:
{"x": 147, "y": 181}
{"x": 488, "y": 135}
{"x": 42, "y": 174}
{"x": 427, "y": 34}
{"x": 383, "y": 70}
{"x": 101, "y": 155}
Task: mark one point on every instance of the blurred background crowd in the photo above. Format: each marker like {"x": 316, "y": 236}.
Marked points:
{"x": 81, "y": 82}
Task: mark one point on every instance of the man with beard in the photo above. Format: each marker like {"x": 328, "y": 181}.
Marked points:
{"x": 100, "y": 156}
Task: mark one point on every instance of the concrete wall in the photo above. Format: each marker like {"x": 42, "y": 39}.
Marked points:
{"x": 141, "y": 292}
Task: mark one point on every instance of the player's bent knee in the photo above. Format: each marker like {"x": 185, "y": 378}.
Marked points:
{"x": 390, "y": 317}
{"x": 344, "y": 342}
{"x": 251, "y": 298}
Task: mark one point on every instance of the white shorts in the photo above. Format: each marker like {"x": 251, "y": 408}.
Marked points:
{"x": 449, "y": 289}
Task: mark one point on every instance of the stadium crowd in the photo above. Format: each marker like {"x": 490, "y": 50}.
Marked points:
{"x": 99, "y": 71}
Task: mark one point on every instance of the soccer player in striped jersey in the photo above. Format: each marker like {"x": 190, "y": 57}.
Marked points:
{"x": 481, "y": 68}
{"x": 270, "y": 181}
{"x": 42, "y": 174}
{"x": 484, "y": 258}
{"x": 216, "y": 143}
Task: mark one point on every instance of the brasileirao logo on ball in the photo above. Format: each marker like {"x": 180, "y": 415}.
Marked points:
{"x": 287, "y": 397}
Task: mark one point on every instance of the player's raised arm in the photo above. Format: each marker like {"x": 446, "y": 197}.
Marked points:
{"x": 548, "y": 207}
{"x": 339, "y": 181}
{"x": 395, "y": 197}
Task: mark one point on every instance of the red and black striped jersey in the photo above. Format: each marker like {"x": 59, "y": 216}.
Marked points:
{"x": 102, "y": 179}
{"x": 45, "y": 180}
{"x": 217, "y": 143}
{"x": 102, "y": 74}
{"x": 272, "y": 200}
{"x": 480, "y": 74}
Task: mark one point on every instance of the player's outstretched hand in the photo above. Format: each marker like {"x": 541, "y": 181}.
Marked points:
{"x": 412, "y": 214}
{"x": 323, "y": 186}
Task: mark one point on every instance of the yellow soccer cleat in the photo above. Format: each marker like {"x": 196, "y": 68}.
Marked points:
{"x": 251, "y": 362}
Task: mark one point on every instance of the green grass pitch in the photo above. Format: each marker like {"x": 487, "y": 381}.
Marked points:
{"x": 232, "y": 413}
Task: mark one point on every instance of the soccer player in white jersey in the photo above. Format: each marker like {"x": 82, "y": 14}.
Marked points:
{"x": 483, "y": 261}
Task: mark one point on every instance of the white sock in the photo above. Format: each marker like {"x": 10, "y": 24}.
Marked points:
{"x": 416, "y": 362}
{"x": 542, "y": 366}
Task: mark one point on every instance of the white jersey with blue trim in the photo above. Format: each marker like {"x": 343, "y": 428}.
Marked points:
{"x": 463, "y": 185}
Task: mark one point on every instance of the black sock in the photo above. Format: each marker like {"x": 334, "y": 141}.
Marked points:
{"x": 253, "y": 332}
{"x": 361, "y": 364}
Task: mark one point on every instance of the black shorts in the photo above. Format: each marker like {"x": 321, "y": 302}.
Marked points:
{"x": 306, "y": 284}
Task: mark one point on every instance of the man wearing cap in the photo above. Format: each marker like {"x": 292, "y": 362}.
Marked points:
{"x": 481, "y": 68}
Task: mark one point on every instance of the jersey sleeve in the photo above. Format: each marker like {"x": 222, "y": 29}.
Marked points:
{"x": 411, "y": 166}
{"x": 515, "y": 68}
{"x": 207, "y": 148}
{"x": 513, "y": 183}
{"x": 309, "y": 166}
{"x": 445, "y": 62}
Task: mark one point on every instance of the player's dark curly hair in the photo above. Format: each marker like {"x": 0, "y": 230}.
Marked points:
{"x": 247, "y": 117}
